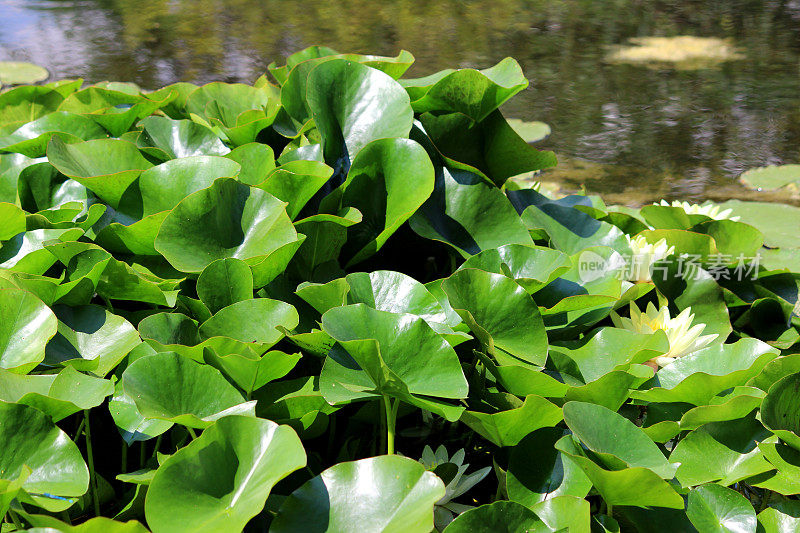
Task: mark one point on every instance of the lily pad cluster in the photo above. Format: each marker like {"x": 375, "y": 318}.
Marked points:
{"x": 264, "y": 306}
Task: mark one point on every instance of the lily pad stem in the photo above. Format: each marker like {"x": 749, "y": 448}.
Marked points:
{"x": 92, "y": 475}
{"x": 391, "y": 417}
{"x": 192, "y": 433}
{"x": 80, "y": 429}
{"x": 15, "y": 519}
{"x": 157, "y": 446}
{"x": 765, "y": 500}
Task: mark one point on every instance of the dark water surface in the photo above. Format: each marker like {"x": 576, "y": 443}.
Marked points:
{"x": 641, "y": 133}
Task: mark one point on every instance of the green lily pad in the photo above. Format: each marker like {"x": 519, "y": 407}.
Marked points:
{"x": 725, "y": 452}
{"x": 537, "y": 471}
{"x": 115, "y": 110}
{"x": 394, "y": 494}
{"x": 491, "y": 146}
{"x": 775, "y": 221}
{"x": 295, "y": 183}
{"x": 257, "y": 161}
{"x": 773, "y": 177}
{"x": 786, "y": 461}
{"x": 225, "y": 282}
{"x": 25, "y": 252}
{"x": 780, "y": 411}
{"x": 13, "y": 221}
{"x": 615, "y": 440}
{"x": 228, "y": 219}
{"x": 498, "y": 516}
{"x": 17, "y": 73}
{"x": 780, "y": 517}
{"x": 383, "y": 108}
{"x": 610, "y": 349}
{"x": 58, "y": 475}
{"x": 468, "y": 213}
{"x": 570, "y": 230}
{"x": 390, "y": 354}
{"x": 500, "y": 314}
{"x": 532, "y": 267}
{"x": 256, "y": 320}
{"x": 475, "y": 93}
{"x": 507, "y": 428}
{"x": 171, "y": 387}
{"x": 165, "y": 185}
{"x": 530, "y": 131}
{"x": 99, "y": 524}
{"x": 637, "y": 486}
{"x": 132, "y": 425}
{"x": 23, "y": 337}
{"x": 23, "y": 104}
{"x": 734, "y": 405}
{"x": 180, "y": 138}
{"x": 91, "y": 339}
{"x": 107, "y": 167}
{"x": 397, "y": 170}
{"x": 716, "y": 508}
{"x": 57, "y": 395}
{"x": 32, "y": 138}
{"x": 386, "y": 291}
{"x": 697, "y": 377}
{"x": 250, "y": 372}
{"x": 222, "y": 479}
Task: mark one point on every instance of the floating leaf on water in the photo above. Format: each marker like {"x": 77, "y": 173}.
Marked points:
{"x": 682, "y": 51}
{"x": 16, "y": 73}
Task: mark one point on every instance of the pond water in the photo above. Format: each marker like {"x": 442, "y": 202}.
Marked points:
{"x": 632, "y": 133}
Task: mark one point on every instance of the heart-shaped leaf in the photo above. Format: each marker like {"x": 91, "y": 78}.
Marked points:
{"x": 699, "y": 376}
{"x": 225, "y": 282}
{"x": 32, "y": 138}
{"x": 531, "y": 266}
{"x": 507, "y": 428}
{"x": 91, "y": 339}
{"x": 500, "y": 314}
{"x": 475, "y": 93}
{"x": 537, "y": 471}
{"x": 222, "y": 479}
{"x": 57, "y": 395}
{"x": 171, "y": 387}
{"x": 180, "y": 138}
{"x": 780, "y": 411}
{"x": 394, "y": 494}
{"x": 107, "y": 167}
{"x": 637, "y": 486}
{"x": 716, "y": 508}
{"x": 29, "y": 325}
{"x": 255, "y": 320}
{"x": 390, "y": 354}
{"x": 726, "y": 452}
{"x": 498, "y": 516}
{"x": 228, "y": 219}
{"x": 58, "y": 475}
{"x": 388, "y": 180}
{"x": 165, "y": 185}
{"x": 353, "y": 104}
{"x": 615, "y": 439}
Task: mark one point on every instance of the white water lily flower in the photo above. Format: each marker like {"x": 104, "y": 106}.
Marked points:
{"x": 684, "y": 338}
{"x": 710, "y": 210}
{"x": 643, "y": 255}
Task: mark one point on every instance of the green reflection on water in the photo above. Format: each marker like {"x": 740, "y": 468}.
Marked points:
{"x": 647, "y": 133}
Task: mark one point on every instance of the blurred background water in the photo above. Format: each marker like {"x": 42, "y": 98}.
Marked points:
{"x": 632, "y": 133}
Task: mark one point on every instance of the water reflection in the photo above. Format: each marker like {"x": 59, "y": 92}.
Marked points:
{"x": 649, "y": 133}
